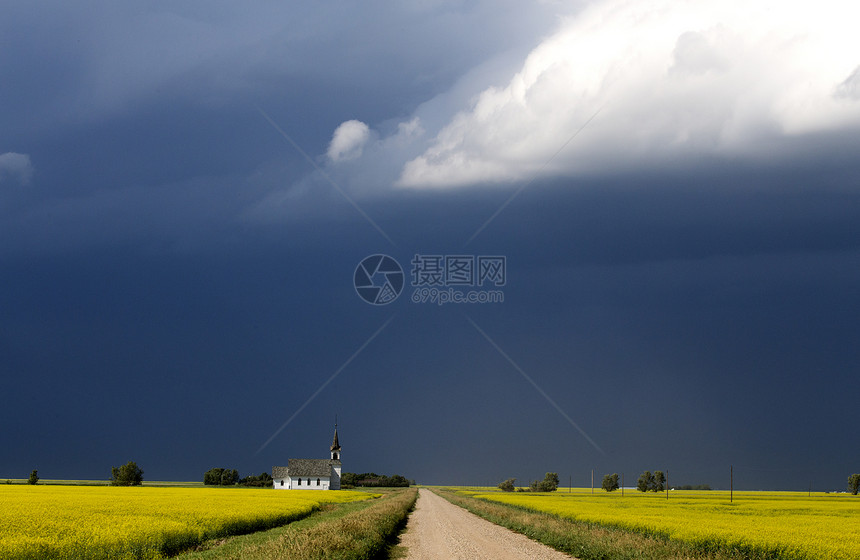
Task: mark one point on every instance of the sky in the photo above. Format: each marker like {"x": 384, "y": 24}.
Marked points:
{"x": 655, "y": 207}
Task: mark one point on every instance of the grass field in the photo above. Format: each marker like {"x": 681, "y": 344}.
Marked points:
{"x": 355, "y": 531}
{"x": 756, "y": 524}
{"x": 65, "y": 522}
{"x": 64, "y": 482}
{"x": 219, "y": 549}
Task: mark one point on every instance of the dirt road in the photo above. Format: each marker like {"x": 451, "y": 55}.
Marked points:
{"x": 438, "y": 529}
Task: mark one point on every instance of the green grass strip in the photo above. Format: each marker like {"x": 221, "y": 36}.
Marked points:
{"x": 218, "y": 549}
{"x": 589, "y": 541}
{"x": 356, "y": 531}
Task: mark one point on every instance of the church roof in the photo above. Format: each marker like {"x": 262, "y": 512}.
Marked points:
{"x": 309, "y": 467}
{"x": 335, "y": 445}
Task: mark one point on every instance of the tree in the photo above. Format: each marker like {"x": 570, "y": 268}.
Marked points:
{"x": 398, "y": 481}
{"x": 347, "y": 480}
{"x": 659, "y": 481}
{"x": 221, "y": 477}
{"x": 373, "y": 480}
{"x": 262, "y": 481}
{"x": 212, "y": 477}
{"x": 507, "y": 485}
{"x": 34, "y": 478}
{"x": 127, "y": 475}
{"x": 610, "y": 482}
{"x": 645, "y": 482}
{"x": 854, "y": 483}
{"x": 548, "y": 484}
{"x": 229, "y": 477}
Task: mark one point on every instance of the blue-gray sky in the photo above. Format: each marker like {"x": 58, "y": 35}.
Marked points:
{"x": 186, "y": 189}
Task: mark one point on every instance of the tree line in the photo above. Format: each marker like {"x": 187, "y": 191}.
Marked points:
{"x": 656, "y": 482}
{"x": 651, "y": 482}
{"x": 371, "y": 480}
{"x": 230, "y": 477}
{"x": 647, "y": 482}
{"x": 127, "y": 475}
{"x": 132, "y": 475}
{"x": 548, "y": 484}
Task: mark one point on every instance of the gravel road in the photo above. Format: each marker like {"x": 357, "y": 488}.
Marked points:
{"x": 438, "y": 529}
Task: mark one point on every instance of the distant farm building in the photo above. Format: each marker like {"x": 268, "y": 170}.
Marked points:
{"x": 310, "y": 474}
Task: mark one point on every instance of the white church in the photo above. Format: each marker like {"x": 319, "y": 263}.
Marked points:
{"x": 310, "y": 474}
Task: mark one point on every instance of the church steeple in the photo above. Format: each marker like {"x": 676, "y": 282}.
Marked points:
{"x": 336, "y": 465}
{"x": 335, "y": 446}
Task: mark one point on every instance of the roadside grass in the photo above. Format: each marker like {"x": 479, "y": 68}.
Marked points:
{"x": 351, "y": 531}
{"x": 222, "y": 548}
{"x": 586, "y": 541}
{"x": 757, "y": 525}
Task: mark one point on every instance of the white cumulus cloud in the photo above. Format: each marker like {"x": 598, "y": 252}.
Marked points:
{"x": 348, "y": 141}
{"x": 667, "y": 80}
{"x": 15, "y": 167}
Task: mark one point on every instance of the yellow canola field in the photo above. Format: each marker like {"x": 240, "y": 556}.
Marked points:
{"x": 66, "y": 522}
{"x": 755, "y": 524}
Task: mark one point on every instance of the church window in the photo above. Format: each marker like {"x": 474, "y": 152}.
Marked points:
{"x": 282, "y": 483}
{"x": 300, "y": 482}
{"x": 318, "y": 482}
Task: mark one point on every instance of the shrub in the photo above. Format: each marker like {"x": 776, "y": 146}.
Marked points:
{"x": 221, "y": 477}
{"x": 646, "y": 482}
{"x": 659, "y": 481}
{"x": 507, "y": 485}
{"x": 548, "y": 484}
{"x": 610, "y": 482}
{"x": 262, "y": 481}
{"x": 372, "y": 480}
{"x": 854, "y": 483}
{"x": 127, "y": 475}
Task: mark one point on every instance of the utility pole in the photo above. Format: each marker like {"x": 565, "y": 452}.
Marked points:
{"x": 731, "y": 483}
{"x": 667, "y": 484}
{"x": 569, "y": 483}
{"x": 622, "y": 484}
{"x": 592, "y": 482}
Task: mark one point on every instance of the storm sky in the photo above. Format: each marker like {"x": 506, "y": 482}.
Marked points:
{"x": 187, "y": 189}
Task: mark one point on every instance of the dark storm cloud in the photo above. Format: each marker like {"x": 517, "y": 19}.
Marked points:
{"x": 98, "y": 60}
{"x": 675, "y": 326}
{"x": 113, "y": 102}
{"x": 174, "y": 259}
